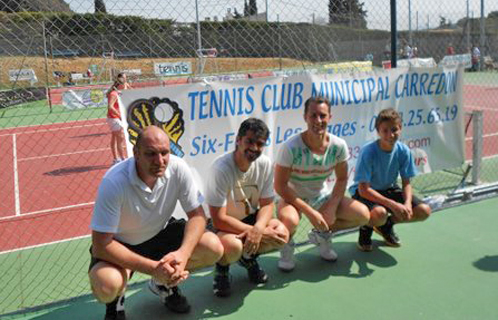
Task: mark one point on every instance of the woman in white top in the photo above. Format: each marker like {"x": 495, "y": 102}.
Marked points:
{"x": 303, "y": 173}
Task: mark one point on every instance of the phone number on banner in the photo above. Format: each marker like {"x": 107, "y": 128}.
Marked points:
{"x": 417, "y": 117}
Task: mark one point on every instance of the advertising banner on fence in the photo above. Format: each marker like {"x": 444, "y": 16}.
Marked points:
{"x": 457, "y": 59}
{"x": 84, "y": 98}
{"x": 22, "y": 95}
{"x": 166, "y": 69}
{"x": 202, "y": 118}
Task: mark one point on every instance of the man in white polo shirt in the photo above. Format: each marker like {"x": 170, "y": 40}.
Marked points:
{"x": 133, "y": 228}
{"x": 239, "y": 192}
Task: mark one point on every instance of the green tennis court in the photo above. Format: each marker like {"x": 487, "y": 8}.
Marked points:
{"x": 447, "y": 268}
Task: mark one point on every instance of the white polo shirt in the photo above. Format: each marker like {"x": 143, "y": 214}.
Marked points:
{"x": 127, "y": 207}
{"x": 239, "y": 191}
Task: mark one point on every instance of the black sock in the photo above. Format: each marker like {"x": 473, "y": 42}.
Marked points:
{"x": 222, "y": 269}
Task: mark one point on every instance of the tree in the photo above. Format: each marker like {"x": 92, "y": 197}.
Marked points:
{"x": 253, "y": 8}
{"x": 100, "y": 6}
{"x": 347, "y": 12}
{"x": 246, "y": 9}
{"x": 236, "y": 14}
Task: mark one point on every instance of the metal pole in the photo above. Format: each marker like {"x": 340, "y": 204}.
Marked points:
{"x": 468, "y": 28}
{"x": 410, "y": 23}
{"x": 394, "y": 35}
{"x": 483, "y": 36}
{"x": 266, "y": 3}
{"x": 45, "y": 53}
{"x": 199, "y": 40}
{"x": 477, "y": 144}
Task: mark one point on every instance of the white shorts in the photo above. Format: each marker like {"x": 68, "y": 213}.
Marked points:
{"x": 317, "y": 202}
{"x": 115, "y": 124}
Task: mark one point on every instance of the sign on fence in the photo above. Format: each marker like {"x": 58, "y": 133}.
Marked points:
{"x": 202, "y": 119}
{"x": 173, "y": 68}
{"x": 18, "y": 96}
{"x": 457, "y": 59}
{"x": 22, "y": 75}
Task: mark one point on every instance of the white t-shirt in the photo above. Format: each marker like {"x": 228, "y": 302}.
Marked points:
{"x": 239, "y": 191}
{"x": 127, "y": 207}
{"x": 311, "y": 173}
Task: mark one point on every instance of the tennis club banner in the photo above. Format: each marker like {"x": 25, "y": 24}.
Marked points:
{"x": 202, "y": 118}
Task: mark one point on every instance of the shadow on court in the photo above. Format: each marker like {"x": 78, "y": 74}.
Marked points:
{"x": 487, "y": 263}
{"x": 74, "y": 170}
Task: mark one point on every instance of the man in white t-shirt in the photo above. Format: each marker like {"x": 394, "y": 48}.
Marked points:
{"x": 133, "y": 228}
{"x": 304, "y": 169}
{"x": 239, "y": 192}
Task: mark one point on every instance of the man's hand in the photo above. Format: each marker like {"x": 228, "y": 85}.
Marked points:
{"x": 402, "y": 212}
{"x": 251, "y": 239}
{"x": 272, "y": 237}
{"x": 317, "y": 220}
{"x": 329, "y": 217}
{"x": 174, "y": 264}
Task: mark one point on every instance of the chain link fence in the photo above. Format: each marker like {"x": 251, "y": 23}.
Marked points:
{"x": 48, "y": 48}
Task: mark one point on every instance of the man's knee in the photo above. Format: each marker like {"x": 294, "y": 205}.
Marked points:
{"x": 107, "y": 282}
{"x": 232, "y": 248}
{"x": 421, "y": 212}
{"x": 378, "y": 216}
{"x": 290, "y": 219}
{"x": 211, "y": 248}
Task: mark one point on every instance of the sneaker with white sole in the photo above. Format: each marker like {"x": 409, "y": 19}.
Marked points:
{"x": 286, "y": 262}
{"x": 171, "y": 297}
{"x": 115, "y": 309}
{"x": 323, "y": 240}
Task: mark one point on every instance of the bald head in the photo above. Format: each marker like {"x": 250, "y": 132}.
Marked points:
{"x": 149, "y": 134}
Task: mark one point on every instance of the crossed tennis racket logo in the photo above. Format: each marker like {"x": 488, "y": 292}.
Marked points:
{"x": 163, "y": 113}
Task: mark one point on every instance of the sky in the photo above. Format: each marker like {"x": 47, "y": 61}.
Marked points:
{"x": 424, "y": 13}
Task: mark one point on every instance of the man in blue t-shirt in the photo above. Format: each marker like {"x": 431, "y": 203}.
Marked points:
{"x": 375, "y": 183}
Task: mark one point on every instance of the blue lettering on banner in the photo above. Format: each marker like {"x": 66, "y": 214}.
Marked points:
{"x": 221, "y": 103}
{"x": 282, "y": 97}
{"x": 357, "y": 91}
{"x": 415, "y": 84}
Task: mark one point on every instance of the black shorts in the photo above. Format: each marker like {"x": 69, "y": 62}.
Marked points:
{"x": 395, "y": 194}
{"x": 167, "y": 240}
{"x": 250, "y": 220}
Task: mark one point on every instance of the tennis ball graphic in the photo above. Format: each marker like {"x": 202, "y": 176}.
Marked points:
{"x": 163, "y": 113}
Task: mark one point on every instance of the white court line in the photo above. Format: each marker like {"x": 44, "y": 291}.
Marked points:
{"x": 64, "y": 154}
{"x": 53, "y": 129}
{"x": 51, "y": 124}
{"x": 489, "y": 135}
{"x": 473, "y": 107}
{"x": 48, "y": 210}
{"x": 16, "y": 176}
{"x": 43, "y": 244}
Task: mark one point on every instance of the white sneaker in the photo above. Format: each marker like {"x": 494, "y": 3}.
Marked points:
{"x": 286, "y": 262}
{"x": 323, "y": 240}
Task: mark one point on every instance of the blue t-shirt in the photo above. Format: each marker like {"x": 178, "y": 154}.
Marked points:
{"x": 380, "y": 168}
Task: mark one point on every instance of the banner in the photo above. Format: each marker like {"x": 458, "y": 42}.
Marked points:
{"x": 457, "y": 59}
{"x": 165, "y": 69}
{"x": 22, "y": 75}
{"x": 202, "y": 118}
{"x": 22, "y": 95}
{"x": 85, "y": 98}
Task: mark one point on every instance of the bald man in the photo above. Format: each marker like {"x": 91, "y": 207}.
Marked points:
{"x": 133, "y": 228}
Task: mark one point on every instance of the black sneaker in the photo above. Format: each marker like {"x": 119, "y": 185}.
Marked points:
{"x": 387, "y": 232}
{"x": 115, "y": 309}
{"x": 221, "y": 281}
{"x": 254, "y": 272}
{"x": 171, "y": 297}
{"x": 365, "y": 239}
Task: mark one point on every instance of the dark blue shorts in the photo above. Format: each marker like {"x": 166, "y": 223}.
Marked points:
{"x": 395, "y": 194}
{"x": 167, "y": 240}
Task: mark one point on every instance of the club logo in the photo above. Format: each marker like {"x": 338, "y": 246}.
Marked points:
{"x": 163, "y": 113}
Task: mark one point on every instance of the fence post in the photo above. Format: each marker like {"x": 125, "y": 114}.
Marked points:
{"x": 477, "y": 142}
